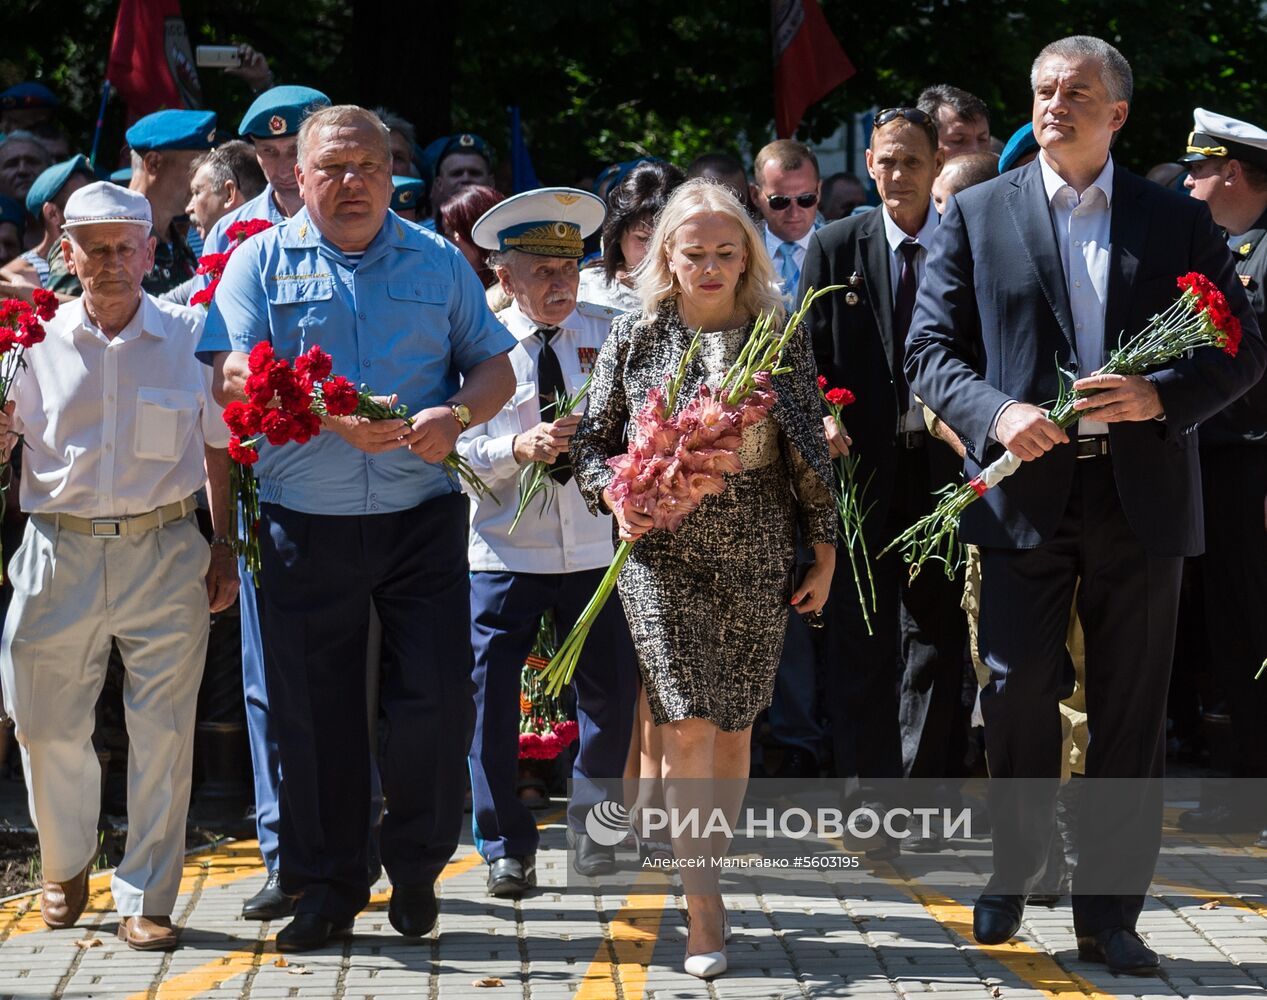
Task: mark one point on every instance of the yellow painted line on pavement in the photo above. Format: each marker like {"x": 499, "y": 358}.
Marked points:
{"x": 632, "y": 934}
{"x": 240, "y": 960}
{"x": 1223, "y": 898}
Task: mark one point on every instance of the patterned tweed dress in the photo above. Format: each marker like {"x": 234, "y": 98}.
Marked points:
{"x": 708, "y": 606}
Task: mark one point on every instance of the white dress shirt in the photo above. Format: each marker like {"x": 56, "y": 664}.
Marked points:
{"x": 1082, "y": 233}
{"x": 567, "y": 538}
{"x": 115, "y": 427}
{"x": 913, "y": 418}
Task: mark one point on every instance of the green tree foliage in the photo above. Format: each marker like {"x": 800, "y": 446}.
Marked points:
{"x": 606, "y": 80}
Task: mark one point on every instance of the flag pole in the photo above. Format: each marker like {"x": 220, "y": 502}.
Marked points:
{"x": 101, "y": 120}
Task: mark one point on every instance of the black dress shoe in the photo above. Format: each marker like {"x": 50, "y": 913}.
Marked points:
{"x": 512, "y": 877}
{"x": 270, "y": 903}
{"x": 1219, "y": 818}
{"x": 592, "y": 859}
{"x": 920, "y": 844}
{"x": 309, "y": 932}
{"x": 996, "y": 919}
{"x": 413, "y": 909}
{"x": 1121, "y": 949}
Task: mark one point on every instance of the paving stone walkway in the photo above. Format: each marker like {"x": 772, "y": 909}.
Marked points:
{"x": 899, "y": 937}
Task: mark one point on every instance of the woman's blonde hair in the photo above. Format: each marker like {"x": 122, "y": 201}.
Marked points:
{"x": 757, "y": 291}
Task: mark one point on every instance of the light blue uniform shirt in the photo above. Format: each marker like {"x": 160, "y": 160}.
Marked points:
{"x": 409, "y": 318}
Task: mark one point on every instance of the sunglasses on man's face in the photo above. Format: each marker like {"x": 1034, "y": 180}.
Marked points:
{"x": 780, "y": 202}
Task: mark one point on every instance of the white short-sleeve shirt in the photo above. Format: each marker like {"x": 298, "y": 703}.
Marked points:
{"x": 115, "y": 427}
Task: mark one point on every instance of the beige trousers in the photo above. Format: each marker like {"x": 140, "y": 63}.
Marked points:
{"x": 72, "y": 594}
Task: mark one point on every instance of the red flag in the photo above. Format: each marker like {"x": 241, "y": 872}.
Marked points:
{"x": 808, "y": 61}
{"x": 151, "y": 64}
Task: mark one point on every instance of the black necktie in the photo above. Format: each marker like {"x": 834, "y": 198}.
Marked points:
{"x": 552, "y": 389}
{"x": 903, "y": 308}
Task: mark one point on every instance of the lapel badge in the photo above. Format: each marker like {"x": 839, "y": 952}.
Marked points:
{"x": 1245, "y": 279}
{"x": 1244, "y": 249}
{"x": 851, "y": 298}
{"x": 854, "y": 280}
{"x": 585, "y": 358}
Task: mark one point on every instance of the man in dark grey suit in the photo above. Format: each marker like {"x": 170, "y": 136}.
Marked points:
{"x": 1049, "y": 265}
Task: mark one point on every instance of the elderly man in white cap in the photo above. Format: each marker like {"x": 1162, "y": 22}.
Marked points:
{"x": 120, "y": 432}
{"x": 556, "y": 555}
{"x": 1227, "y": 169}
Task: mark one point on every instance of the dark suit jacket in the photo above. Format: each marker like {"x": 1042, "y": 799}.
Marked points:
{"x": 992, "y": 321}
{"x": 1245, "y": 420}
{"x": 853, "y": 345}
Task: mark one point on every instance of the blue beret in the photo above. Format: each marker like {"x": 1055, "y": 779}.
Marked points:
{"x": 51, "y": 181}
{"x": 1022, "y": 142}
{"x": 279, "y": 111}
{"x": 614, "y": 173}
{"x": 11, "y": 211}
{"x": 447, "y": 145}
{"x": 406, "y": 192}
{"x": 27, "y": 95}
{"x": 173, "y": 130}
{"x": 121, "y": 176}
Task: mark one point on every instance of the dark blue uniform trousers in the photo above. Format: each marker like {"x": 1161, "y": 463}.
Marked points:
{"x": 506, "y": 609}
{"x": 319, "y": 574}
{"x": 265, "y": 761}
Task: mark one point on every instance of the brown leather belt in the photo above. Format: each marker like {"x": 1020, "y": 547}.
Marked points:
{"x": 122, "y": 527}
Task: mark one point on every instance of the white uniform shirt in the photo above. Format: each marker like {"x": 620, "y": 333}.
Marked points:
{"x": 115, "y": 427}
{"x": 1082, "y": 233}
{"x": 567, "y": 538}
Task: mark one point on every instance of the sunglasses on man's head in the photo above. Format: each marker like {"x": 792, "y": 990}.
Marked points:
{"x": 780, "y": 202}
{"x": 913, "y": 115}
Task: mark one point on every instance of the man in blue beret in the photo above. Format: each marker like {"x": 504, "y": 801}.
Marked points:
{"x": 271, "y": 124}
{"x": 26, "y": 104}
{"x": 1019, "y": 149}
{"x": 22, "y": 158}
{"x": 452, "y": 163}
{"x": 45, "y": 203}
{"x": 407, "y": 194}
{"x": 164, "y": 147}
{"x": 12, "y": 226}
{"x": 364, "y": 513}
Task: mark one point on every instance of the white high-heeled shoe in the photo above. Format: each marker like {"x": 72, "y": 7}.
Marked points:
{"x": 709, "y": 964}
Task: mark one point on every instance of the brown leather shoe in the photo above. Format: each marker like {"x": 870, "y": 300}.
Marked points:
{"x": 148, "y": 933}
{"x": 62, "y": 903}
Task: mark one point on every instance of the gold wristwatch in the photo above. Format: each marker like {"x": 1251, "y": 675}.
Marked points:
{"x": 461, "y": 413}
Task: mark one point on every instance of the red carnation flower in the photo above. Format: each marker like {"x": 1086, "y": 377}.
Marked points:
{"x": 822, "y": 383}
{"x": 243, "y": 419}
{"x": 212, "y": 263}
{"x": 567, "y": 731}
{"x": 296, "y": 397}
{"x": 341, "y": 397}
{"x": 257, "y": 389}
{"x": 840, "y": 397}
{"x": 243, "y": 230}
{"x": 46, "y": 303}
{"x": 261, "y": 356}
{"x": 7, "y": 339}
{"x": 314, "y": 364}
{"x": 204, "y": 296}
{"x": 278, "y": 426}
{"x": 242, "y": 454}
{"x": 307, "y": 426}
{"x": 30, "y": 331}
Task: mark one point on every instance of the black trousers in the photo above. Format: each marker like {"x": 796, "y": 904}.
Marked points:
{"x": 318, "y": 576}
{"x": 1234, "y": 568}
{"x": 917, "y": 649}
{"x": 1127, "y": 601}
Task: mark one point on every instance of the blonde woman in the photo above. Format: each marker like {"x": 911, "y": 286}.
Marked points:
{"x": 707, "y": 606}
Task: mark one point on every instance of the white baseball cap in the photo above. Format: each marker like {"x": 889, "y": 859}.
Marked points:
{"x": 103, "y": 202}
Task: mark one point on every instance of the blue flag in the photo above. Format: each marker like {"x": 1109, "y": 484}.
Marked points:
{"x": 525, "y": 178}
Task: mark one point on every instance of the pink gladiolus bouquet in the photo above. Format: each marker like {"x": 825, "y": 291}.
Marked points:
{"x": 674, "y": 462}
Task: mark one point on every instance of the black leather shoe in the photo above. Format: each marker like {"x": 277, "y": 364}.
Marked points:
{"x": 1048, "y": 899}
{"x": 270, "y": 903}
{"x": 920, "y": 844}
{"x": 996, "y": 919}
{"x": 1219, "y": 818}
{"x": 1122, "y": 950}
{"x": 512, "y": 877}
{"x": 413, "y": 909}
{"x": 310, "y": 932}
{"x": 592, "y": 859}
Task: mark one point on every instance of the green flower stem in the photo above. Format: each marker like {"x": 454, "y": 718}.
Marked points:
{"x": 558, "y": 674}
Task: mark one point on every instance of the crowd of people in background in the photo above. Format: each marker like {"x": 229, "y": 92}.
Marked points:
{"x": 383, "y": 637}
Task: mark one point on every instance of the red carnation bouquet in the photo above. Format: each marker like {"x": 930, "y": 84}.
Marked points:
{"x": 213, "y": 264}
{"x": 545, "y": 731}
{"x": 1200, "y": 317}
{"x": 21, "y": 328}
{"x": 278, "y": 409}
{"x": 851, "y": 503}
